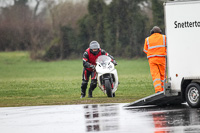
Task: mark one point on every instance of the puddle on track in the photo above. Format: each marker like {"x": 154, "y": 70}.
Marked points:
{"x": 111, "y": 118}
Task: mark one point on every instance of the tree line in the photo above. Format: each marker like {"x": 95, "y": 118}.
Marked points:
{"x": 63, "y": 29}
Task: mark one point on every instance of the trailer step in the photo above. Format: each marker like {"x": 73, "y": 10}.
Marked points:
{"x": 158, "y": 99}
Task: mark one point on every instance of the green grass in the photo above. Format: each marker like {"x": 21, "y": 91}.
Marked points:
{"x": 24, "y": 82}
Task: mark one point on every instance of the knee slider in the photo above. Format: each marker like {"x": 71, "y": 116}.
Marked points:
{"x": 84, "y": 84}
{"x": 93, "y": 84}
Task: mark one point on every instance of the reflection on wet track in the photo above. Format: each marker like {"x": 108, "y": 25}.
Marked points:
{"x": 111, "y": 118}
{"x": 101, "y": 117}
{"x": 173, "y": 119}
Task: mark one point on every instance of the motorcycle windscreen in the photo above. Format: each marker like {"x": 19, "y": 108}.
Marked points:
{"x": 103, "y": 59}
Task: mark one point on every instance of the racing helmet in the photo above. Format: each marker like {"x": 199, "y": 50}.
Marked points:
{"x": 94, "y": 45}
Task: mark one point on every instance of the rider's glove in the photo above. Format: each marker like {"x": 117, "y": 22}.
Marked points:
{"x": 114, "y": 62}
{"x": 92, "y": 66}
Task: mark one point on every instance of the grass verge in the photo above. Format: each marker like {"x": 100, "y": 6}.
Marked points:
{"x": 24, "y": 82}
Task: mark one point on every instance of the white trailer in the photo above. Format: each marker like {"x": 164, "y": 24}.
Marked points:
{"x": 182, "y": 25}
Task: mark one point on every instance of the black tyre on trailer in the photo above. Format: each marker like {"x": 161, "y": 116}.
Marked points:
{"x": 192, "y": 95}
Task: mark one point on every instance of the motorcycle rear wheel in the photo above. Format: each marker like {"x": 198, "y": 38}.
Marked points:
{"x": 108, "y": 88}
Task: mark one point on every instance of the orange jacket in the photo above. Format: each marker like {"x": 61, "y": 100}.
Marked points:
{"x": 155, "y": 45}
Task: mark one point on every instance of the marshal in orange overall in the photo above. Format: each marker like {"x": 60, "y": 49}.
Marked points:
{"x": 155, "y": 48}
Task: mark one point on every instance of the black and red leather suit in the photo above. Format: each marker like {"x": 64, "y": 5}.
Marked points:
{"x": 89, "y": 61}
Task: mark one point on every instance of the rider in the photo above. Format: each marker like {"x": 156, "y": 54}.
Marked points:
{"x": 89, "y": 61}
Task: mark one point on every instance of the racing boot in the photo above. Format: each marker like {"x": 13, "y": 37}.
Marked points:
{"x": 83, "y": 89}
{"x": 82, "y": 95}
{"x": 93, "y": 85}
{"x": 90, "y": 93}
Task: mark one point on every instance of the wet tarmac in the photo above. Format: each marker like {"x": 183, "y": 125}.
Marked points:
{"x": 102, "y": 118}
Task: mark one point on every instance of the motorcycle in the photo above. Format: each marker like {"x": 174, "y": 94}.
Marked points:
{"x": 107, "y": 77}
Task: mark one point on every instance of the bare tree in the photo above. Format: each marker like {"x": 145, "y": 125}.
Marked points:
{"x": 6, "y": 3}
{"x": 64, "y": 13}
{"x": 36, "y": 8}
{"x": 38, "y": 28}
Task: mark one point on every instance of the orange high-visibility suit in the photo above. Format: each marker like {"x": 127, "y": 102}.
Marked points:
{"x": 155, "y": 48}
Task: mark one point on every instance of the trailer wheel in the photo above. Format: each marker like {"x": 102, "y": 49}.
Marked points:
{"x": 108, "y": 88}
{"x": 192, "y": 95}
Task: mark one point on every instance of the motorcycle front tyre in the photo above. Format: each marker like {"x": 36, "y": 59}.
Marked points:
{"x": 108, "y": 88}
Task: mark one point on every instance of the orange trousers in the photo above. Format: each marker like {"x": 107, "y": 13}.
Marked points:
{"x": 157, "y": 68}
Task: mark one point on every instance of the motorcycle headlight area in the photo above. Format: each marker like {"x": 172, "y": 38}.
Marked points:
{"x": 106, "y": 65}
{"x": 109, "y": 66}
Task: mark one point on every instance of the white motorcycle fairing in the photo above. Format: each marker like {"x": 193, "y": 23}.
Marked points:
{"x": 104, "y": 67}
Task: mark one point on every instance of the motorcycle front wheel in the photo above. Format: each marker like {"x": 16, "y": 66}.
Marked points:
{"x": 108, "y": 88}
